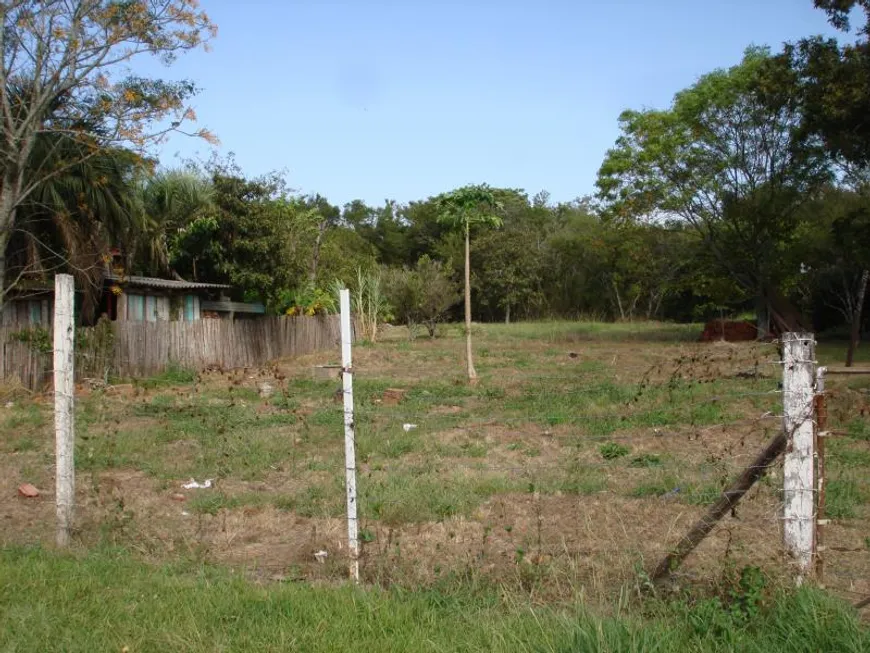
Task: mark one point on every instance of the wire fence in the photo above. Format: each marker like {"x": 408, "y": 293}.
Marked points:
{"x": 609, "y": 488}
{"x": 843, "y": 417}
{"x": 546, "y": 480}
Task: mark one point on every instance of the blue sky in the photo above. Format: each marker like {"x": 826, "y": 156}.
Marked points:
{"x": 406, "y": 99}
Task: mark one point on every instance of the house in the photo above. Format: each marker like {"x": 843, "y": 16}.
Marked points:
{"x": 134, "y": 299}
{"x": 27, "y": 306}
{"x": 149, "y": 299}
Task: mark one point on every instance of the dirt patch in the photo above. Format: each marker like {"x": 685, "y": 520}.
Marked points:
{"x": 526, "y": 469}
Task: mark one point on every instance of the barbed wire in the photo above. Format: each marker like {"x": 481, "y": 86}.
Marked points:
{"x": 657, "y": 393}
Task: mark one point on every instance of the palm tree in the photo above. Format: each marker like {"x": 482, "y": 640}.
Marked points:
{"x": 170, "y": 200}
{"x": 72, "y": 219}
{"x": 464, "y": 208}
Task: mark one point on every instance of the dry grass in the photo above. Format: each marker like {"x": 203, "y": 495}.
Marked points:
{"x": 505, "y": 480}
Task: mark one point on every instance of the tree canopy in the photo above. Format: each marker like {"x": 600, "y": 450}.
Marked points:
{"x": 748, "y": 193}
{"x": 64, "y": 87}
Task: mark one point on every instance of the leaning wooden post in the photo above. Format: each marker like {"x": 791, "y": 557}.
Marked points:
{"x": 727, "y": 501}
{"x": 64, "y": 421}
{"x": 799, "y": 351}
{"x": 349, "y": 437}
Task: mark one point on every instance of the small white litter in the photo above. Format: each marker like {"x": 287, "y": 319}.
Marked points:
{"x": 184, "y": 513}
{"x": 193, "y": 485}
{"x": 266, "y": 390}
{"x": 408, "y": 427}
{"x": 10, "y": 404}
{"x": 321, "y": 556}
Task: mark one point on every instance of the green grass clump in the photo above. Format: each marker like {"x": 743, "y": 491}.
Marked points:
{"x": 613, "y": 450}
{"x": 222, "y": 436}
{"x": 173, "y": 375}
{"x": 845, "y": 455}
{"x": 843, "y": 496}
{"x": 669, "y": 487}
{"x": 646, "y": 460}
{"x": 576, "y": 478}
{"x": 108, "y": 601}
{"x": 25, "y": 417}
{"x": 859, "y": 429}
{"x": 407, "y": 496}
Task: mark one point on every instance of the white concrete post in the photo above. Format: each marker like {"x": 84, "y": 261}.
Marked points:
{"x": 799, "y": 351}
{"x": 349, "y": 436}
{"x": 64, "y": 420}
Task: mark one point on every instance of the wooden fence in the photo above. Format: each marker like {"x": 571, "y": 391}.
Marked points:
{"x": 136, "y": 349}
{"x": 21, "y": 363}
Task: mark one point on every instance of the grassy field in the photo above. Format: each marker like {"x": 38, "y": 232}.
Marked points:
{"x": 559, "y": 480}
{"x": 105, "y": 601}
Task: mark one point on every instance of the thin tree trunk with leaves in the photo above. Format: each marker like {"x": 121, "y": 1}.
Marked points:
{"x": 472, "y": 373}
{"x": 461, "y": 208}
{"x": 618, "y": 299}
{"x": 315, "y": 255}
{"x": 855, "y": 335}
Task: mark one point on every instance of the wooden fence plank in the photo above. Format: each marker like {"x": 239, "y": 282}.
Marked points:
{"x": 146, "y": 348}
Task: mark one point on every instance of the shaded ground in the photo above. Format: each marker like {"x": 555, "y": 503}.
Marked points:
{"x": 583, "y": 454}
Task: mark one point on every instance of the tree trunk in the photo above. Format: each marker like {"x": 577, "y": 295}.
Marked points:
{"x": 855, "y": 335}
{"x": 7, "y": 221}
{"x": 4, "y": 241}
{"x": 315, "y": 256}
{"x": 762, "y": 317}
{"x": 472, "y": 373}
{"x": 618, "y": 300}
{"x": 507, "y": 314}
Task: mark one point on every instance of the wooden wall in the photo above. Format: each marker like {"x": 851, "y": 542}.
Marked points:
{"x": 141, "y": 349}
{"x": 19, "y": 313}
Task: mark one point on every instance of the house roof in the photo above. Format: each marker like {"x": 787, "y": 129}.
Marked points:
{"x": 168, "y": 284}
{"x": 233, "y": 307}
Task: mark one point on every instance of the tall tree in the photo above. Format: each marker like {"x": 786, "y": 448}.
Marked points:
{"x": 725, "y": 159}
{"x": 509, "y": 272}
{"x": 834, "y": 80}
{"x": 463, "y": 209}
{"x": 323, "y": 216}
{"x": 62, "y": 71}
{"x": 255, "y": 236}
{"x": 835, "y": 251}
{"x": 71, "y": 221}
{"x": 171, "y": 200}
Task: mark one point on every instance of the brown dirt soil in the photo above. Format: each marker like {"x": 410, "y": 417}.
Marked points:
{"x": 550, "y": 542}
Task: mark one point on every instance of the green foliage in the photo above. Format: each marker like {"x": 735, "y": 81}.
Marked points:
{"x": 509, "y": 271}
{"x": 613, "y": 450}
{"x": 422, "y": 294}
{"x": 726, "y": 159}
{"x": 250, "y": 239}
{"x": 173, "y": 375}
{"x": 646, "y": 460}
{"x": 834, "y": 89}
{"x": 39, "y": 338}
{"x": 108, "y": 600}
{"x": 468, "y": 207}
{"x": 844, "y": 495}
{"x": 342, "y": 253}
{"x": 67, "y": 186}
{"x": 370, "y": 303}
{"x": 308, "y": 301}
